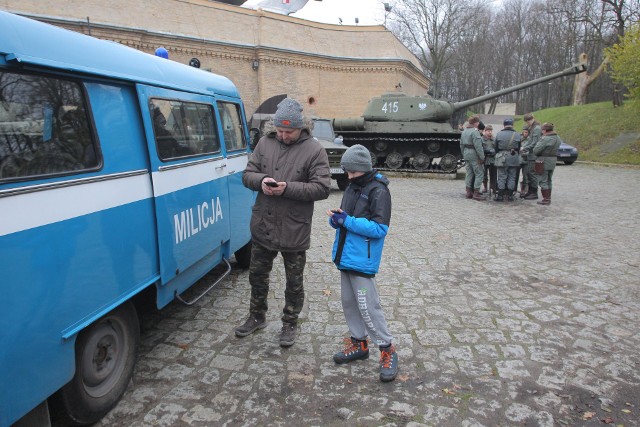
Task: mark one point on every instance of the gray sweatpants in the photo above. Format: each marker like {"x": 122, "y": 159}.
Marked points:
{"x": 362, "y": 309}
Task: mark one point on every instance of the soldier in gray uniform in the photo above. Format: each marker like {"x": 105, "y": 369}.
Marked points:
{"x": 523, "y": 161}
{"x": 507, "y": 160}
{"x": 546, "y": 151}
{"x": 535, "y": 133}
{"x": 471, "y": 148}
{"x": 489, "y": 146}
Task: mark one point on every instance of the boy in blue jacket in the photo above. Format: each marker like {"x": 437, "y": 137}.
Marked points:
{"x": 361, "y": 224}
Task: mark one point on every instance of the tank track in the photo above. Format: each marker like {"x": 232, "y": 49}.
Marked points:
{"x": 369, "y": 142}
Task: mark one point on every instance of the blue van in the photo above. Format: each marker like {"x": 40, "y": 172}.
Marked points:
{"x": 120, "y": 172}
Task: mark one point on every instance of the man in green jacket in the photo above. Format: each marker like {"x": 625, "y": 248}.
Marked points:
{"x": 546, "y": 151}
{"x": 290, "y": 171}
{"x": 535, "y": 133}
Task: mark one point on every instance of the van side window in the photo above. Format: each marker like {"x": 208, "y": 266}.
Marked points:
{"x": 183, "y": 129}
{"x": 44, "y": 127}
{"x": 232, "y": 126}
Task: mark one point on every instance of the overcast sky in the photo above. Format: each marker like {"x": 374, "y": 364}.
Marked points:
{"x": 368, "y": 12}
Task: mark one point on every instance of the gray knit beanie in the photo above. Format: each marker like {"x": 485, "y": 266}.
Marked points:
{"x": 289, "y": 114}
{"x": 356, "y": 159}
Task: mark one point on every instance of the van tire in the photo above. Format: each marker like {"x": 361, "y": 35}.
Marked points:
{"x": 243, "y": 256}
{"x": 95, "y": 390}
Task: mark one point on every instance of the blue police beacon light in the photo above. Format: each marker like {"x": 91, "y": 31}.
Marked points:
{"x": 162, "y": 53}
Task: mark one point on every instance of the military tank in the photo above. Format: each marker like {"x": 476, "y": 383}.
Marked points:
{"x": 413, "y": 133}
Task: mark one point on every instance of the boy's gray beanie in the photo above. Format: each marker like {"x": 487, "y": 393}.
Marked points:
{"x": 356, "y": 159}
{"x": 289, "y": 114}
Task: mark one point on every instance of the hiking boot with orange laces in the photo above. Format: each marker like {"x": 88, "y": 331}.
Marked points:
{"x": 353, "y": 350}
{"x": 388, "y": 363}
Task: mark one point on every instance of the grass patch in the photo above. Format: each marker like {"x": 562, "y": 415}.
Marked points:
{"x": 592, "y": 127}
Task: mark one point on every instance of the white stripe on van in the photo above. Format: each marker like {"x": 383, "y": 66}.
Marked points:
{"x": 178, "y": 177}
{"x": 33, "y": 209}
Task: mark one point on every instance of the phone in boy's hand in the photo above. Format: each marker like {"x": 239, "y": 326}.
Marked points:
{"x": 271, "y": 183}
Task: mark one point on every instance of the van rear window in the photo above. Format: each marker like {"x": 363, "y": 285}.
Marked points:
{"x": 183, "y": 129}
{"x": 44, "y": 127}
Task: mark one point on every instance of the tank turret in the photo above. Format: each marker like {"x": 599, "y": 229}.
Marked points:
{"x": 413, "y": 133}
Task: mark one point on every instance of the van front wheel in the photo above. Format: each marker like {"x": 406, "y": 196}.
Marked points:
{"x": 105, "y": 358}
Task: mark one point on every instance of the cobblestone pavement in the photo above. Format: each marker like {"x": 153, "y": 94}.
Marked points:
{"x": 504, "y": 315}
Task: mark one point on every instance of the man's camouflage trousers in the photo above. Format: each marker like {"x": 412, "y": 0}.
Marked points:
{"x": 261, "y": 265}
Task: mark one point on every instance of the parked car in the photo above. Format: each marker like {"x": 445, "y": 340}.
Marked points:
{"x": 567, "y": 153}
{"x": 322, "y": 130}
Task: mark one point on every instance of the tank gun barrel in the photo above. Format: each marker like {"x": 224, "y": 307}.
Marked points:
{"x": 574, "y": 69}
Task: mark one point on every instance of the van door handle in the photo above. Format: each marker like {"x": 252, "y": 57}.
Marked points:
{"x": 224, "y": 165}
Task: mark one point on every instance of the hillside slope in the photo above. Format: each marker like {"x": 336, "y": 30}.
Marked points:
{"x": 601, "y": 132}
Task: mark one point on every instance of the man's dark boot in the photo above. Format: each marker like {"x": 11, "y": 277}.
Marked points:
{"x": 546, "y": 197}
{"x": 288, "y": 334}
{"x": 484, "y": 185}
{"x": 469, "y": 194}
{"x": 253, "y": 323}
{"x": 510, "y": 195}
{"x": 532, "y": 194}
{"x": 477, "y": 195}
{"x": 499, "y": 196}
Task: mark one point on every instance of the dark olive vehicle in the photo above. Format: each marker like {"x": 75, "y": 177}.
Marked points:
{"x": 413, "y": 133}
{"x": 323, "y": 131}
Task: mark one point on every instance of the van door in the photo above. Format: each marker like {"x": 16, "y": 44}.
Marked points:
{"x": 189, "y": 175}
{"x": 235, "y": 144}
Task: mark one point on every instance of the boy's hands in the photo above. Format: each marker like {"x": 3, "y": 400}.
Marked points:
{"x": 338, "y": 216}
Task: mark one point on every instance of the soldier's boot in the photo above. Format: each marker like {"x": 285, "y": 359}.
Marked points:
{"x": 546, "y": 197}
{"x": 477, "y": 195}
{"x": 532, "y": 194}
{"x": 499, "y": 196}
{"x": 510, "y": 195}
{"x": 484, "y": 184}
{"x": 469, "y": 194}
{"x": 523, "y": 190}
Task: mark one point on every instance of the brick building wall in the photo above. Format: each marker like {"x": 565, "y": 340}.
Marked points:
{"x": 332, "y": 69}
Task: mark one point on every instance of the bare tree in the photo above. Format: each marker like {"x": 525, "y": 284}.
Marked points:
{"x": 432, "y": 29}
{"x": 584, "y": 80}
{"x": 472, "y": 47}
{"x": 597, "y": 24}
